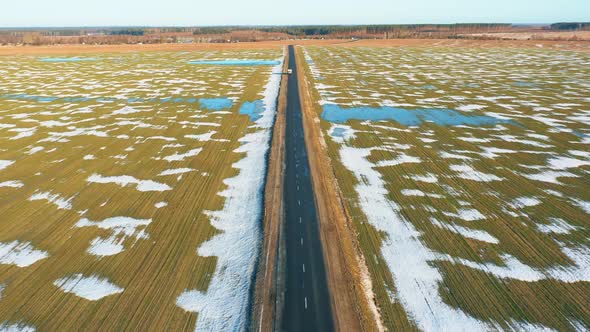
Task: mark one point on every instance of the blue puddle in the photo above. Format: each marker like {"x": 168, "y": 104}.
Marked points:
{"x": 235, "y": 62}
{"x": 405, "y": 117}
{"x": 338, "y": 132}
{"x": 428, "y": 87}
{"x": 525, "y": 84}
{"x": 213, "y": 104}
{"x": 253, "y": 109}
{"x": 75, "y": 59}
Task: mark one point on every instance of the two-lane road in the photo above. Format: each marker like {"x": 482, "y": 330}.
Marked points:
{"x": 307, "y": 301}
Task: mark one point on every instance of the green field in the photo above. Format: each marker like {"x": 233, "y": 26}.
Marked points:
{"x": 113, "y": 174}
{"x": 467, "y": 175}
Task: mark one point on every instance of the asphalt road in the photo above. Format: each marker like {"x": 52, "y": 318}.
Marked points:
{"x": 307, "y": 302}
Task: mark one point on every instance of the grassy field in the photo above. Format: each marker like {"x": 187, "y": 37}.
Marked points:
{"x": 116, "y": 178}
{"x": 466, "y": 174}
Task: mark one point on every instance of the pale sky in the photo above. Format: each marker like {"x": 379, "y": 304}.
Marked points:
{"x": 60, "y": 13}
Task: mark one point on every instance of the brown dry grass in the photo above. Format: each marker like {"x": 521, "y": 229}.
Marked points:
{"x": 129, "y": 48}
{"x": 538, "y": 35}
{"x": 471, "y": 43}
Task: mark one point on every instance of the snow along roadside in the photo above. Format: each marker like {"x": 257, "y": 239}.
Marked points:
{"x": 224, "y": 306}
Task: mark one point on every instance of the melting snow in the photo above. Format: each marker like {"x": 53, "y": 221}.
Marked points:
{"x": 60, "y": 202}
{"x": 121, "y": 227}
{"x": 521, "y": 202}
{"x": 401, "y": 159}
{"x": 124, "y": 180}
{"x": 20, "y": 254}
{"x": 127, "y": 110}
{"x": 467, "y": 214}
{"x": 160, "y": 205}
{"x": 557, "y": 226}
{"x": 175, "y": 171}
{"x": 11, "y": 184}
{"x": 5, "y": 163}
{"x": 91, "y": 288}
{"x": 182, "y": 156}
{"x": 549, "y": 176}
{"x": 428, "y": 178}
{"x": 18, "y": 327}
{"x": 469, "y": 173}
{"x": 467, "y": 232}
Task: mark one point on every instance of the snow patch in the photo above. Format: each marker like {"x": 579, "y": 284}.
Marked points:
{"x": 175, "y": 171}
{"x": 401, "y": 159}
{"x": 124, "y": 180}
{"x": 121, "y": 228}
{"x": 61, "y": 203}
{"x": 160, "y": 205}
{"x": 21, "y": 254}
{"x": 466, "y": 214}
{"x": 91, "y": 288}
{"x": 466, "y": 232}
{"x": 17, "y": 327}
{"x": 11, "y": 184}
{"x": 556, "y": 226}
{"x": 182, "y": 156}
{"x": 5, "y": 163}
{"x": 469, "y": 173}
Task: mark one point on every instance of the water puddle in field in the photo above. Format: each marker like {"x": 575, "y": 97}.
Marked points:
{"x": 338, "y": 132}
{"x": 525, "y": 84}
{"x": 235, "y": 62}
{"x": 75, "y": 59}
{"x": 214, "y": 104}
{"x": 428, "y": 87}
{"x": 442, "y": 117}
{"x": 253, "y": 109}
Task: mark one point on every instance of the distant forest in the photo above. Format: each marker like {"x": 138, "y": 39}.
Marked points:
{"x": 325, "y": 30}
{"x": 230, "y": 34}
{"x": 571, "y": 26}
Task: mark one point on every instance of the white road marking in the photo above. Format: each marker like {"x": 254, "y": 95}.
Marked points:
{"x": 303, "y": 268}
{"x": 261, "y": 315}
{"x": 306, "y": 302}
{"x": 302, "y": 241}
{"x": 300, "y": 220}
{"x": 266, "y": 270}
{"x": 299, "y": 202}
